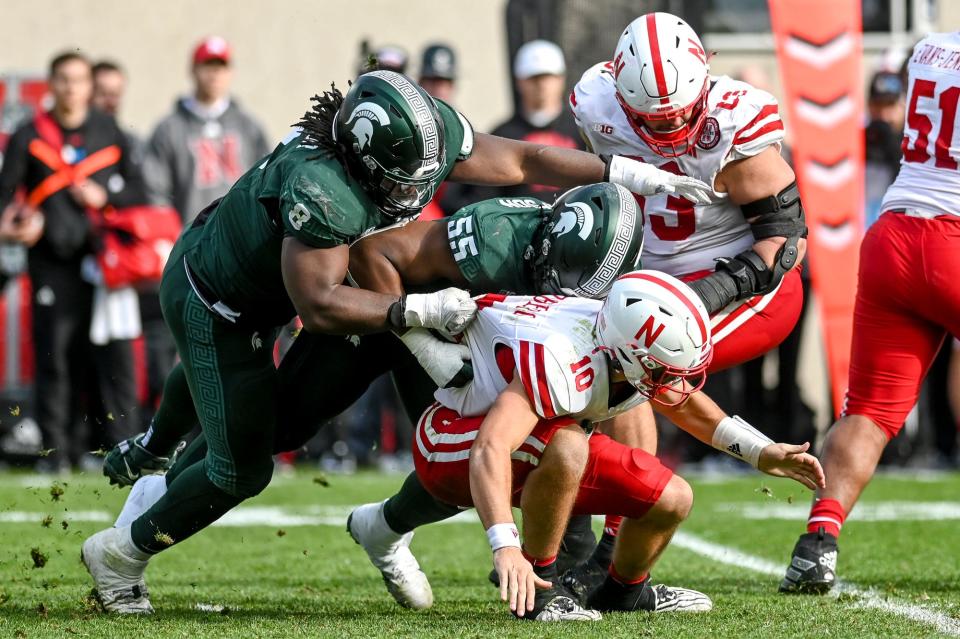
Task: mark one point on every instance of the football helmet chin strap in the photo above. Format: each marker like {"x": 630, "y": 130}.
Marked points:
{"x": 747, "y": 275}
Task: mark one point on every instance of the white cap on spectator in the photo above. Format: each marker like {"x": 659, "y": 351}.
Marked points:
{"x": 538, "y": 57}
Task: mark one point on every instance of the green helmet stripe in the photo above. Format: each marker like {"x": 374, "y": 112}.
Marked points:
{"x": 426, "y": 124}
{"x": 613, "y": 261}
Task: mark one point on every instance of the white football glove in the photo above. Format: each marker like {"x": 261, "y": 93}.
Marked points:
{"x": 646, "y": 179}
{"x": 442, "y": 360}
{"x": 449, "y": 310}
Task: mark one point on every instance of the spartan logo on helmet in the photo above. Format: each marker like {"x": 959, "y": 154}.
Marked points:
{"x": 362, "y": 120}
{"x": 578, "y": 215}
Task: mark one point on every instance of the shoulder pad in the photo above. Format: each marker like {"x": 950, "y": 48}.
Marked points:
{"x": 466, "y": 149}
{"x": 753, "y": 116}
{"x": 545, "y": 371}
{"x": 319, "y": 209}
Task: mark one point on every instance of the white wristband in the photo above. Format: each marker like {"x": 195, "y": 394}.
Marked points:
{"x": 503, "y": 535}
{"x": 739, "y": 439}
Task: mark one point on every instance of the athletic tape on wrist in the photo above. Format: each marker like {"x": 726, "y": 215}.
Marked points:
{"x": 739, "y": 439}
{"x": 503, "y": 535}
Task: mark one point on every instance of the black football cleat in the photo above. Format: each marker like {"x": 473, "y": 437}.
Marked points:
{"x": 584, "y": 578}
{"x": 813, "y": 567}
{"x": 559, "y": 604}
{"x": 613, "y": 596}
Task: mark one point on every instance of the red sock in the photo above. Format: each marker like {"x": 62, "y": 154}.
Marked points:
{"x": 538, "y": 562}
{"x": 620, "y": 579}
{"x": 611, "y": 525}
{"x": 827, "y": 514}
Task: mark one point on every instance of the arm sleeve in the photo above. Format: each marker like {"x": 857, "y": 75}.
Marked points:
{"x": 14, "y": 167}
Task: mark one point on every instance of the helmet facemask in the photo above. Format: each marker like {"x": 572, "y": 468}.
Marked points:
{"x": 673, "y": 143}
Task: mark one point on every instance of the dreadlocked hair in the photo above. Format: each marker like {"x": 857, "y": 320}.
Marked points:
{"x": 317, "y": 123}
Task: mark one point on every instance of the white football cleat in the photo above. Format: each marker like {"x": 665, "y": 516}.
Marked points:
{"x": 673, "y": 599}
{"x": 390, "y": 553}
{"x": 118, "y": 576}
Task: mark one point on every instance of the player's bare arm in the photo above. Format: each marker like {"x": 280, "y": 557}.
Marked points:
{"x": 510, "y": 420}
{"x": 751, "y": 179}
{"x": 498, "y": 161}
{"x": 765, "y": 188}
{"x": 701, "y": 417}
{"x": 415, "y": 254}
{"x": 314, "y": 279}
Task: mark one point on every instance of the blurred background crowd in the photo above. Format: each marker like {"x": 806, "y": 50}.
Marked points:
{"x": 83, "y": 347}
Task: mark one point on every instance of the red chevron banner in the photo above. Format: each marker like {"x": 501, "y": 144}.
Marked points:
{"x": 819, "y": 49}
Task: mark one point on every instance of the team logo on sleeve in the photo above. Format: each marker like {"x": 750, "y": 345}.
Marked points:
{"x": 710, "y": 135}
{"x": 578, "y": 215}
{"x": 362, "y": 119}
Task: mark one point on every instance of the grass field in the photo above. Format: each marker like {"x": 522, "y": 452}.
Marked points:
{"x": 282, "y": 566}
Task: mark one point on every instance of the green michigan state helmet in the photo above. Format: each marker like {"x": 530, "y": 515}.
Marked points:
{"x": 394, "y": 140}
{"x": 593, "y": 235}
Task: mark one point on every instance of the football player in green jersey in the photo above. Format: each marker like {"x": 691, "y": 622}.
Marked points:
{"x": 277, "y": 245}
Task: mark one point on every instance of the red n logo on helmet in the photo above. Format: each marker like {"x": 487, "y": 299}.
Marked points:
{"x": 618, "y": 65}
{"x": 650, "y": 332}
{"x": 698, "y": 51}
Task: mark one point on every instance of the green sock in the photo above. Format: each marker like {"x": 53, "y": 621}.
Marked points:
{"x": 413, "y": 507}
{"x": 192, "y": 502}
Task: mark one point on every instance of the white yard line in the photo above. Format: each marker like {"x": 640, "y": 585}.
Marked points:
{"x": 865, "y": 597}
{"x": 864, "y": 511}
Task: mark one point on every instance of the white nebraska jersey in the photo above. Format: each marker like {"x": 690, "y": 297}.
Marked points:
{"x": 680, "y": 238}
{"x": 929, "y": 180}
{"x": 548, "y": 341}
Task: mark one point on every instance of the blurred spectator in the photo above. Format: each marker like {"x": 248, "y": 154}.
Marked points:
{"x": 543, "y": 118}
{"x": 72, "y": 162}
{"x": 196, "y": 153}
{"x": 438, "y": 71}
{"x": 388, "y": 57}
{"x": 884, "y": 130}
{"x": 109, "y": 85}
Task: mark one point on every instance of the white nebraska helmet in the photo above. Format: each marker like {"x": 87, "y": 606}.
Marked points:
{"x": 656, "y": 329}
{"x": 662, "y": 73}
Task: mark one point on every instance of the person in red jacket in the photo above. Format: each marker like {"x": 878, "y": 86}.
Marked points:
{"x": 69, "y": 164}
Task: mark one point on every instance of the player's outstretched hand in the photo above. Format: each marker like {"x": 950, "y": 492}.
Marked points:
{"x": 646, "y": 179}
{"x": 449, "y": 310}
{"x": 518, "y": 582}
{"x": 793, "y": 461}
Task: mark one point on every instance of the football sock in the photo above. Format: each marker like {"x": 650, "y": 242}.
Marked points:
{"x": 413, "y": 507}
{"x": 611, "y": 524}
{"x": 143, "y": 494}
{"x": 545, "y": 568}
{"x": 827, "y": 514}
{"x": 175, "y": 417}
{"x": 626, "y": 581}
{"x": 614, "y": 594}
{"x": 192, "y": 502}
{"x": 603, "y": 553}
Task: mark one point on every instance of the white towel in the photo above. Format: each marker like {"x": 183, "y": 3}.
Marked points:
{"x": 116, "y": 315}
